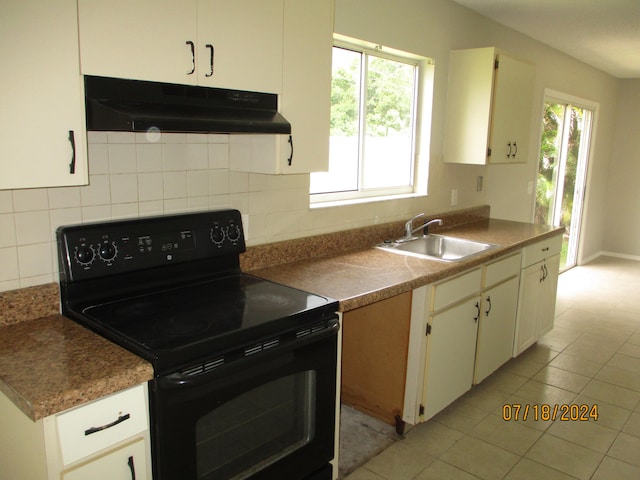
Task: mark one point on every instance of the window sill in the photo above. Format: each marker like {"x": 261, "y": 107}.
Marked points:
{"x": 358, "y": 201}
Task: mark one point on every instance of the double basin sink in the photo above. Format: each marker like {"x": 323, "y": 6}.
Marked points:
{"x": 436, "y": 247}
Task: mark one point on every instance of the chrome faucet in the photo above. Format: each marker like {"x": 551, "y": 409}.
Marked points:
{"x": 409, "y": 230}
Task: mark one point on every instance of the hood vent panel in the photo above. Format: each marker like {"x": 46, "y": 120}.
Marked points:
{"x": 114, "y": 104}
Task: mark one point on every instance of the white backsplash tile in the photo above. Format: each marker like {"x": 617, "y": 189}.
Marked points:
{"x": 122, "y": 158}
{"x": 124, "y": 188}
{"x": 30, "y": 200}
{"x": 32, "y": 227}
{"x": 150, "y": 186}
{"x": 145, "y": 174}
{"x": 35, "y": 260}
{"x": 149, "y": 157}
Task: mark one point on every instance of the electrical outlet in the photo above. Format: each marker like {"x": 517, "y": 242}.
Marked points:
{"x": 454, "y": 197}
{"x": 479, "y": 182}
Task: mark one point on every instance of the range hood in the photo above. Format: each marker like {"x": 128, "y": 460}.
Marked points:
{"x": 115, "y": 104}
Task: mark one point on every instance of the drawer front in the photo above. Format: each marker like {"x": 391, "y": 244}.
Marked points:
{"x": 499, "y": 271}
{"x": 100, "y": 424}
{"x": 456, "y": 289}
{"x": 540, "y": 250}
{"x": 124, "y": 463}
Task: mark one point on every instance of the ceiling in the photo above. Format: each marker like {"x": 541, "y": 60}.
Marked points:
{"x": 602, "y": 33}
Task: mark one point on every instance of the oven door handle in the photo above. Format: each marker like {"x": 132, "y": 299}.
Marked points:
{"x": 181, "y": 380}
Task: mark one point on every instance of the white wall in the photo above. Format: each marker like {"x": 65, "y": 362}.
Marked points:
{"x": 623, "y": 219}
{"x": 432, "y": 28}
{"x": 127, "y": 180}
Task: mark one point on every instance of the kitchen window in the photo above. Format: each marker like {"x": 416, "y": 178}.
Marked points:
{"x": 374, "y": 105}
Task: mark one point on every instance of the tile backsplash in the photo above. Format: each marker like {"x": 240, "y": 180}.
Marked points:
{"x": 132, "y": 174}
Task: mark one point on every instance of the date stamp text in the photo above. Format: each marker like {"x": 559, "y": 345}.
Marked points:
{"x": 546, "y": 412}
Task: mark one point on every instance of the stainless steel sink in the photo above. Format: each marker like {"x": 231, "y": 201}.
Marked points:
{"x": 437, "y": 247}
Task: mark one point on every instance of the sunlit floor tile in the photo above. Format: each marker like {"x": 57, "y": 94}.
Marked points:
{"x": 565, "y": 456}
{"x": 480, "y": 458}
{"x": 611, "y": 469}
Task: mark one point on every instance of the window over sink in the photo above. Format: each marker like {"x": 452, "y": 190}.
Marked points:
{"x": 376, "y": 110}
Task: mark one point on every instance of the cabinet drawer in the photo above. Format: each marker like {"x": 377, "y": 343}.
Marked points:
{"x": 540, "y": 250}
{"x": 100, "y": 424}
{"x": 124, "y": 463}
{"x": 501, "y": 270}
{"x": 456, "y": 289}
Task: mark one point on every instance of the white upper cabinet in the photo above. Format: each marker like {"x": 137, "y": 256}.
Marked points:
{"x": 212, "y": 43}
{"x": 306, "y": 89}
{"x": 240, "y": 44}
{"x": 143, "y": 40}
{"x": 489, "y": 107}
{"x": 41, "y": 101}
{"x": 305, "y": 101}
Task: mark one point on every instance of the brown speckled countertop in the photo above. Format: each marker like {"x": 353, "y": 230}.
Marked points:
{"x": 51, "y": 363}
{"x": 367, "y": 275}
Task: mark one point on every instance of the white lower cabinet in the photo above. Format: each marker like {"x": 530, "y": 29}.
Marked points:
{"x": 453, "y": 311}
{"x": 107, "y": 439}
{"x": 450, "y": 355}
{"x": 461, "y": 331}
{"x": 537, "y": 295}
{"x": 498, "y": 316}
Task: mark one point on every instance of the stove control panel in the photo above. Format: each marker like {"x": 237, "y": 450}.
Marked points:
{"x": 101, "y": 249}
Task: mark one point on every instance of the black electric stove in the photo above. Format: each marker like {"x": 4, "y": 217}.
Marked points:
{"x": 170, "y": 288}
{"x": 245, "y": 368}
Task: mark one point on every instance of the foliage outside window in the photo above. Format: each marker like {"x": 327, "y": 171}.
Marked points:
{"x": 373, "y": 125}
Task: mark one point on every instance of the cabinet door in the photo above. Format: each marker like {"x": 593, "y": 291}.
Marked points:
{"x": 126, "y": 463}
{"x": 496, "y": 328}
{"x": 511, "y": 111}
{"x": 306, "y": 86}
{"x": 528, "y": 307}
{"x": 246, "y": 38}
{"x": 41, "y": 100}
{"x": 469, "y": 96}
{"x": 143, "y": 40}
{"x": 451, "y": 347}
{"x": 548, "y": 295}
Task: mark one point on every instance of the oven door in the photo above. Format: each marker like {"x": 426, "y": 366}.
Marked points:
{"x": 267, "y": 416}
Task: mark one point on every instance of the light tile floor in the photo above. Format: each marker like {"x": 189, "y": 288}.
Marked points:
{"x": 591, "y": 357}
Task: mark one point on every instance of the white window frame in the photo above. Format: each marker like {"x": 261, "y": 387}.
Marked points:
{"x": 421, "y": 111}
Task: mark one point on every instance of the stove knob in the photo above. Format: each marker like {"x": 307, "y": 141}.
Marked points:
{"x": 85, "y": 255}
{"x": 108, "y": 251}
{"x": 234, "y": 233}
{"x": 217, "y": 235}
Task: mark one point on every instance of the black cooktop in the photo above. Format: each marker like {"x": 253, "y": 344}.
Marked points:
{"x": 229, "y": 310}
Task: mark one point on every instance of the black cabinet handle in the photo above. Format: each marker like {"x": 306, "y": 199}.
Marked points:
{"x": 489, "y": 309}
{"x": 193, "y": 56}
{"x": 515, "y": 145}
{"x": 509, "y": 152}
{"x": 475, "y": 319}
{"x": 72, "y": 141}
{"x": 290, "y": 159}
{"x": 210, "y": 47}
{"x": 120, "y": 419}
{"x": 132, "y": 468}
